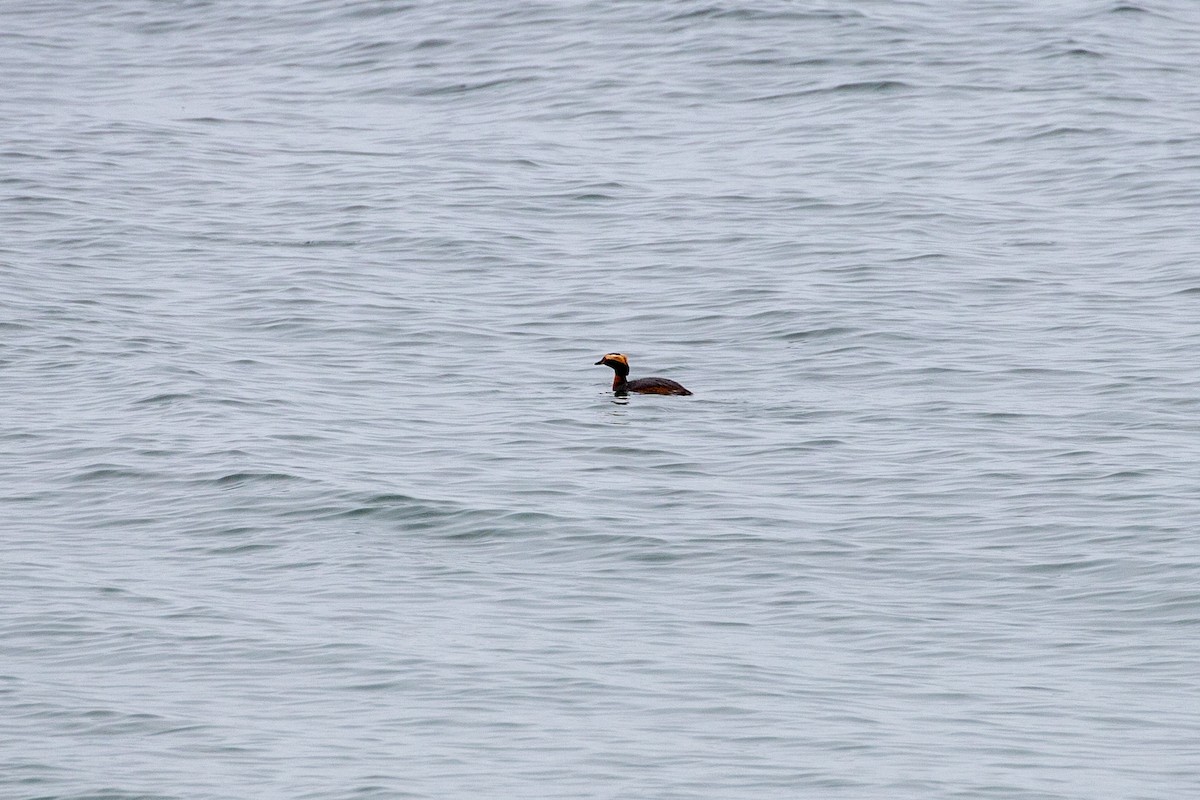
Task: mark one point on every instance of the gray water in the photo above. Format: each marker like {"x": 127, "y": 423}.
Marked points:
{"x": 310, "y": 487}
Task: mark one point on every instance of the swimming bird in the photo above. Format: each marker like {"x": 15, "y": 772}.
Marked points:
{"x": 622, "y": 385}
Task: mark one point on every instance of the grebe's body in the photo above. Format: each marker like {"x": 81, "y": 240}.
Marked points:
{"x": 622, "y": 384}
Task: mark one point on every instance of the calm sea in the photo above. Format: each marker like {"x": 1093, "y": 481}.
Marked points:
{"x": 310, "y": 490}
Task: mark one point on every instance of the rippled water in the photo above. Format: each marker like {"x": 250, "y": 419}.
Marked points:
{"x": 311, "y": 489}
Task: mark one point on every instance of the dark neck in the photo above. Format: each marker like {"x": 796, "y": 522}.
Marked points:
{"x": 620, "y": 382}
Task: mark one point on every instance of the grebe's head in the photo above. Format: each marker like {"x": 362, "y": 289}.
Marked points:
{"x": 615, "y": 360}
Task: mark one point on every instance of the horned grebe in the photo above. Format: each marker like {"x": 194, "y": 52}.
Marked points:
{"x": 622, "y": 384}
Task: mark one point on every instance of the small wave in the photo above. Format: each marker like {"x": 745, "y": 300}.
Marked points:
{"x": 101, "y": 472}
{"x": 1064, "y": 130}
{"x": 853, "y": 87}
{"x": 754, "y": 14}
{"x": 372, "y": 10}
{"x": 819, "y": 333}
{"x": 165, "y": 398}
{"x": 466, "y": 88}
{"x": 233, "y": 550}
{"x": 238, "y": 478}
{"x": 921, "y": 257}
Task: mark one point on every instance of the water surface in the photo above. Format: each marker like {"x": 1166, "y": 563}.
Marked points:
{"x": 311, "y": 489}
